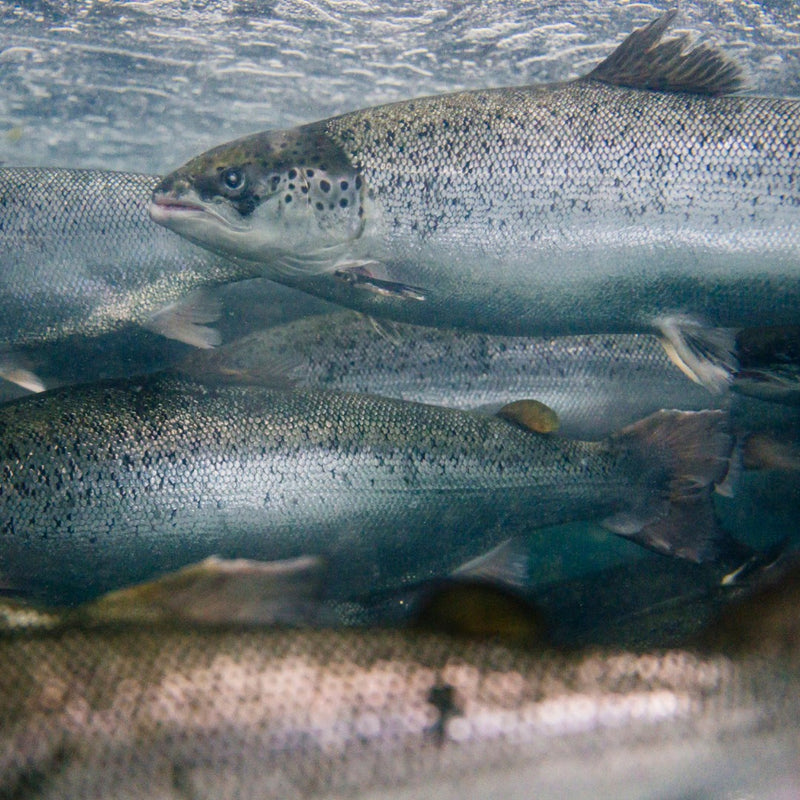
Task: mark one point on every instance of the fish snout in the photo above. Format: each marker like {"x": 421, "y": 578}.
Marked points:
{"x": 173, "y": 198}
{"x": 173, "y": 187}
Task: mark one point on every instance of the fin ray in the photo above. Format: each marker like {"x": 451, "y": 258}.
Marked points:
{"x": 689, "y": 453}
{"x": 646, "y": 61}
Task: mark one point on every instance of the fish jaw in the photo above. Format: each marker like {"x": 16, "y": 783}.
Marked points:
{"x": 200, "y": 222}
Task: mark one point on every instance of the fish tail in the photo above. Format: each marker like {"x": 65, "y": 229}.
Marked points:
{"x": 679, "y": 458}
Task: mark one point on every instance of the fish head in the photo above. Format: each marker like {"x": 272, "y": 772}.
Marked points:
{"x": 290, "y": 198}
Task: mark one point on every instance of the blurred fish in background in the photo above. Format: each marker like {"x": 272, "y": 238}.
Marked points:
{"x": 92, "y": 706}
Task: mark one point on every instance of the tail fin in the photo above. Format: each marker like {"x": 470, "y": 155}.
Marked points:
{"x": 683, "y": 455}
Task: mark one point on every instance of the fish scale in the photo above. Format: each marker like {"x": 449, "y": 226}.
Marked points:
{"x": 80, "y": 256}
{"x": 533, "y": 181}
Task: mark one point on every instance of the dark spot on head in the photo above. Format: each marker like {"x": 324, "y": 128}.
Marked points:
{"x": 304, "y": 189}
{"x": 292, "y": 174}
{"x": 288, "y": 198}
{"x": 324, "y": 185}
{"x": 343, "y": 185}
{"x": 320, "y": 207}
{"x": 291, "y": 187}
{"x": 274, "y": 181}
{"x": 310, "y": 173}
{"x": 343, "y": 202}
{"x": 358, "y": 182}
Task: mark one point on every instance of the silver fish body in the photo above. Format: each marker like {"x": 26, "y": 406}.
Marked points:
{"x": 597, "y": 205}
{"x": 171, "y": 713}
{"x": 595, "y": 383}
{"x": 105, "y": 485}
{"x": 80, "y": 257}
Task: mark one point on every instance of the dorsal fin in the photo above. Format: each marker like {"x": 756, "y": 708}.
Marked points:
{"x": 645, "y": 61}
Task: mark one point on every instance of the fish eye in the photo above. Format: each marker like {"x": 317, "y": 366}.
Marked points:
{"x": 233, "y": 178}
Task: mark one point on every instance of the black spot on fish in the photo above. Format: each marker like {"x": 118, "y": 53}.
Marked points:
{"x": 319, "y": 206}
{"x": 309, "y": 173}
{"x": 287, "y": 199}
{"x": 324, "y": 185}
{"x": 343, "y": 185}
{"x": 247, "y": 205}
{"x": 292, "y": 174}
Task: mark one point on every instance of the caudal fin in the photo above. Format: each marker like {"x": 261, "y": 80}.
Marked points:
{"x": 679, "y": 458}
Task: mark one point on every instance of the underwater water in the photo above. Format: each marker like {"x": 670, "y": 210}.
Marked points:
{"x": 143, "y": 86}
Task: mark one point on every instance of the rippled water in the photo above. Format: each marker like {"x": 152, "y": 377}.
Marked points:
{"x": 144, "y": 85}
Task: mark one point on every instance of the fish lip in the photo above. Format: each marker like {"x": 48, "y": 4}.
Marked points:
{"x": 164, "y": 210}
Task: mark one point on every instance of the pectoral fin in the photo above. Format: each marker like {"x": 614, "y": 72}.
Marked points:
{"x": 184, "y": 320}
{"x": 366, "y": 276}
{"x": 705, "y": 355}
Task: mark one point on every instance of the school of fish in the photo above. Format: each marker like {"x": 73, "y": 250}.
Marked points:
{"x": 571, "y": 288}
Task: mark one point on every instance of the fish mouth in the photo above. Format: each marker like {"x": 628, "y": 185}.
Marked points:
{"x": 167, "y": 211}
